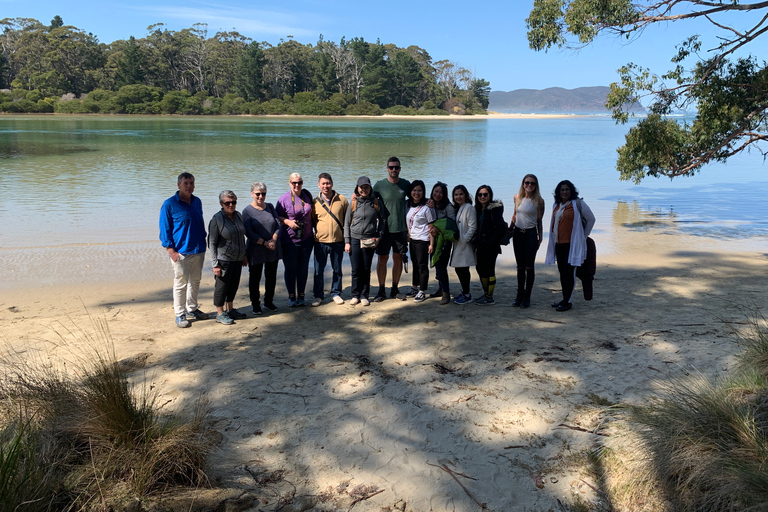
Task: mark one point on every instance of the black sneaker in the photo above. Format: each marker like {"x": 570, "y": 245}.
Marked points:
{"x": 270, "y": 306}
{"x": 380, "y": 297}
{"x": 257, "y": 309}
{"x": 236, "y": 315}
{"x": 394, "y": 292}
{"x": 197, "y": 315}
{"x": 414, "y": 292}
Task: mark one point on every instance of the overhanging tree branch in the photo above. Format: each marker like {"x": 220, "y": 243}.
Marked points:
{"x": 731, "y": 98}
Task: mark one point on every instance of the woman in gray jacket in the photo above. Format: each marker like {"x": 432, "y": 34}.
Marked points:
{"x": 364, "y": 226}
{"x": 226, "y": 246}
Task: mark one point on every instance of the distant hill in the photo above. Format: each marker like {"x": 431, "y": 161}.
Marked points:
{"x": 555, "y": 100}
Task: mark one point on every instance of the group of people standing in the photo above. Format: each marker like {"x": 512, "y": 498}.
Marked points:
{"x": 393, "y": 217}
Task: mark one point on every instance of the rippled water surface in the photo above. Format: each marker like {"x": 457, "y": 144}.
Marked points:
{"x": 73, "y": 187}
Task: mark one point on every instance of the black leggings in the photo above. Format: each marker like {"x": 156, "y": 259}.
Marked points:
{"x": 486, "y": 268}
{"x": 526, "y": 245}
{"x": 567, "y": 271}
{"x": 420, "y": 259}
{"x": 270, "y": 280}
{"x": 226, "y": 285}
{"x": 464, "y": 278}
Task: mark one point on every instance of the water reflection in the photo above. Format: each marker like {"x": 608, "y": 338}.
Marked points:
{"x": 100, "y": 180}
{"x": 20, "y": 150}
{"x": 635, "y": 217}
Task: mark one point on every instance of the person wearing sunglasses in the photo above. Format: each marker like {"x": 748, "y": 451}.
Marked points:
{"x": 526, "y": 236}
{"x": 226, "y": 245}
{"x": 297, "y": 239}
{"x": 393, "y": 192}
{"x": 262, "y": 228}
{"x": 572, "y": 221}
{"x": 491, "y": 228}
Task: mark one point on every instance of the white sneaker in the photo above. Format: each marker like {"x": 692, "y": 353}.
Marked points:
{"x": 317, "y": 302}
{"x": 354, "y": 301}
{"x": 365, "y": 302}
{"x": 338, "y": 300}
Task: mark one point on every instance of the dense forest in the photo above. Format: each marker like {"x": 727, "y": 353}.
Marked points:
{"x": 60, "y": 68}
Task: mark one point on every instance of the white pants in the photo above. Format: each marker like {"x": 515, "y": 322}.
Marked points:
{"x": 187, "y": 273}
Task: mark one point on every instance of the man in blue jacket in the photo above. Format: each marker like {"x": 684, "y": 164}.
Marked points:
{"x": 182, "y": 233}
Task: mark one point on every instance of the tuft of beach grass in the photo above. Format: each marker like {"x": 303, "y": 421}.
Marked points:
{"x": 76, "y": 434}
{"x": 700, "y": 445}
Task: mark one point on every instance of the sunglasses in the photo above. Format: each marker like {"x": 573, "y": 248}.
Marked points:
{"x": 300, "y": 182}
{"x": 483, "y": 194}
{"x": 229, "y": 203}
{"x": 260, "y": 193}
{"x": 393, "y": 167}
{"x": 529, "y": 183}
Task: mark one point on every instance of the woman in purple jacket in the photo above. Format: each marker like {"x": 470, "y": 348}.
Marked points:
{"x": 294, "y": 209}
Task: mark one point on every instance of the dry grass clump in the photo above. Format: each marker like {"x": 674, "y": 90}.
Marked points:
{"x": 701, "y": 445}
{"x": 73, "y": 439}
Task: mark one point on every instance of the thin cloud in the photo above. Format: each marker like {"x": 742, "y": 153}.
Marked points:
{"x": 250, "y": 22}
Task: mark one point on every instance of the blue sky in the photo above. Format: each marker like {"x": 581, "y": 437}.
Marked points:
{"x": 486, "y": 37}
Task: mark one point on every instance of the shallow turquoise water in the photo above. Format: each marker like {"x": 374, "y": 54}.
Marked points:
{"x": 69, "y": 181}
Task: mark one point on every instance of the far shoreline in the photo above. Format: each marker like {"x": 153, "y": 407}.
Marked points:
{"x": 489, "y": 115}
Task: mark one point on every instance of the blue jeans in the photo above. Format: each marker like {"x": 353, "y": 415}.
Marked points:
{"x": 322, "y": 250}
{"x": 296, "y": 262}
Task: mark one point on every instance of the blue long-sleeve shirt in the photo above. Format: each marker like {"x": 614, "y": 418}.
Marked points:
{"x": 182, "y": 226}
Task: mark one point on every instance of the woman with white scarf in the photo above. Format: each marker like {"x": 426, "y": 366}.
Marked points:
{"x": 572, "y": 221}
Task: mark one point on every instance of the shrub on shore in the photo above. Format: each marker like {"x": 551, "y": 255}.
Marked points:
{"x": 143, "y": 99}
{"x": 701, "y": 445}
{"x": 72, "y": 439}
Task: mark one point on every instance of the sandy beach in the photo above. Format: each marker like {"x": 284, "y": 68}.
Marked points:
{"x": 418, "y": 407}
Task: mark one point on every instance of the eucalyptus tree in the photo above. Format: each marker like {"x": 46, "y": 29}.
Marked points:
{"x": 405, "y": 79}
{"x": 165, "y": 61}
{"x": 23, "y": 46}
{"x": 225, "y": 56}
{"x": 728, "y": 90}
{"x": 345, "y": 63}
{"x": 76, "y": 57}
{"x": 427, "y": 86}
{"x": 52, "y": 60}
{"x": 447, "y": 75}
{"x": 195, "y": 50}
{"x": 288, "y": 68}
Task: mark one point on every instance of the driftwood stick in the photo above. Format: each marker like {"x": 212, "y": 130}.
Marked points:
{"x": 582, "y": 430}
{"x": 358, "y": 500}
{"x": 445, "y": 468}
{"x": 598, "y": 491}
{"x": 547, "y": 321}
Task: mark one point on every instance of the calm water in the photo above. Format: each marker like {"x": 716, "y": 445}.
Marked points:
{"x": 80, "y": 191}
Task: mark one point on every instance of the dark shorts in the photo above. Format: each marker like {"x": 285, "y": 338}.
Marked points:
{"x": 395, "y": 242}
